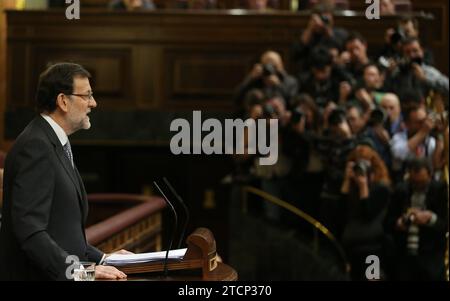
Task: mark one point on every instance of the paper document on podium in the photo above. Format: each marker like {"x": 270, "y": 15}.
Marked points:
{"x": 119, "y": 259}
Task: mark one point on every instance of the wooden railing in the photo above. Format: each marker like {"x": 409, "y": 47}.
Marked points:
{"x": 134, "y": 222}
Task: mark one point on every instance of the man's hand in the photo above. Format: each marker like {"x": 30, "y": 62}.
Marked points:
{"x": 326, "y": 113}
{"x": 345, "y": 89}
{"x": 315, "y": 24}
{"x": 428, "y": 125}
{"x": 418, "y": 71}
{"x": 400, "y": 225}
{"x": 421, "y": 217}
{"x": 300, "y": 126}
{"x": 257, "y": 71}
{"x": 345, "y": 58}
{"x": 108, "y": 272}
{"x": 388, "y": 35}
{"x": 272, "y": 80}
{"x": 349, "y": 173}
{"x": 363, "y": 96}
{"x": 122, "y": 252}
{"x": 382, "y": 134}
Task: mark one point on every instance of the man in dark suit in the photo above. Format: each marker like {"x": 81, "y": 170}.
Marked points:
{"x": 418, "y": 222}
{"x": 45, "y": 203}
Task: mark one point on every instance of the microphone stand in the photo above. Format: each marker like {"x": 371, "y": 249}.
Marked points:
{"x": 185, "y": 209}
{"x": 173, "y": 231}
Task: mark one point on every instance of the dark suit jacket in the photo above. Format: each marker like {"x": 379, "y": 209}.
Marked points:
{"x": 45, "y": 209}
{"x": 431, "y": 238}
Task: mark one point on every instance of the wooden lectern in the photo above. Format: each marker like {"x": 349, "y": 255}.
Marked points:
{"x": 199, "y": 263}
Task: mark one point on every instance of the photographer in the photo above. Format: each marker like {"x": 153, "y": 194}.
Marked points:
{"x": 407, "y": 28}
{"x": 325, "y": 82}
{"x": 418, "y": 220}
{"x": 378, "y": 135}
{"x": 417, "y": 140}
{"x": 357, "y": 118}
{"x": 365, "y": 193}
{"x": 412, "y": 73}
{"x": 373, "y": 82}
{"x": 390, "y": 103}
{"x": 355, "y": 55}
{"x": 270, "y": 77}
{"x": 320, "y": 31}
{"x": 272, "y": 179}
{"x": 307, "y": 168}
{"x": 334, "y": 148}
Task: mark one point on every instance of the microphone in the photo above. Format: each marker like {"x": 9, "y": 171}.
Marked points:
{"x": 185, "y": 209}
{"x": 173, "y": 231}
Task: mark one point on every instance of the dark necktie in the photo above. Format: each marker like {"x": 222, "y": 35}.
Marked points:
{"x": 68, "y": 151}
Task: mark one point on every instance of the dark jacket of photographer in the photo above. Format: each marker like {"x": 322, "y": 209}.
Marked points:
{"x": 287, "y": 89}
{"x": 431, "y": 237}
{"x": 324, "y": 92}
{"x": 334, "y": 154}
{"x": 363, "y": 229}
{"x": 403, "y": 79}
{"x": 301, "y": 51}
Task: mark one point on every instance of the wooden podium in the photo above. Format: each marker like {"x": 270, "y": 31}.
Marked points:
{"x": 199, "y": 263}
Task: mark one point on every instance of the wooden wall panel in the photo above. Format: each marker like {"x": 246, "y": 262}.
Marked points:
{"x": 110, "y": 68}
{"x": 204, "y": 75}
{"x": 4, "y": 4}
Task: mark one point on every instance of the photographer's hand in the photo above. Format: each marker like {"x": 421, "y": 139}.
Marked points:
{"x": 300, "y": 126}
{"x": 314, "y": 25}
{"x": 421, "y": 217}
{"x": 400, "y": 225}
{"x": 382, "y": 134}
{"x": 418, "y": 71}
{"x": 363, "y": 185}
{"x": 345, "y": 58}
{"x": 363, "y": 96}
{"x": 272, "y": 80}
{"x": 421, "y": 135}
{"x": 326, "y": 113}
{"x": 388, "y": 35}
{"x": 344, "y": 92}
{"x": 257, "y": 71}
{"x": 349, "y": 175}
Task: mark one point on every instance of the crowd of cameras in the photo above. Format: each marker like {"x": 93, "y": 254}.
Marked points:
{"x": 338, "y": 95}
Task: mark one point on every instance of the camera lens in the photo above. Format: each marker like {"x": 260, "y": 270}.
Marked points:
{"x": 325, "y": 19}
{"x": 377, "y": 117}
{"x": 269, "y": 69}
{"x": 269, "y": 111}
{"x": 361, "y": 167}
{"x": 417, "y": 60}
{"x": 297, "y": 115}
{"x": 396, "y": 38}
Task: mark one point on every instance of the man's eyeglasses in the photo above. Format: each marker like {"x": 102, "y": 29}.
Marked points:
{"x": 86, "y": 97}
